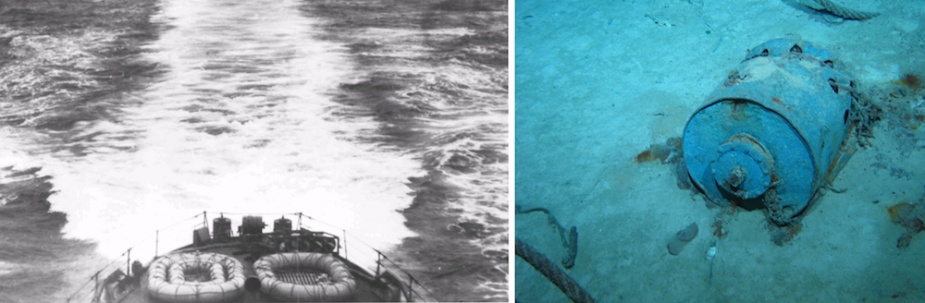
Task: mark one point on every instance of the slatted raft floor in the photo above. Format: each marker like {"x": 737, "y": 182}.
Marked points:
{"x": 303, "y": 277}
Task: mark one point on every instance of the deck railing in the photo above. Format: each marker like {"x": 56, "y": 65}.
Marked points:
{"x": 144, "y": 251}
{"x": 358, "y": 253}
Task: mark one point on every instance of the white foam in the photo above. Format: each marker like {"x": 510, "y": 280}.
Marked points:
{"x": 280, "y": 156}
{"x": 466, "y": 100}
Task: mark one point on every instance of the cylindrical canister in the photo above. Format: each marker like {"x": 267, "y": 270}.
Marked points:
{"x": 282, "y": 225}
{"x": 221, "y": 228}
{"x": 772, "y": 134}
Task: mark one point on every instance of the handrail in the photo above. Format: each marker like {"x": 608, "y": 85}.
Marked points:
{"x": 410, "y": 286}
{"x": 127, "y": 254}
{"x": 412, "y": 294}
{"x": 411, "y": 278}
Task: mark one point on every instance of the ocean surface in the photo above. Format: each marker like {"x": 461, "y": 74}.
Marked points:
{"x": 386, "y": 119}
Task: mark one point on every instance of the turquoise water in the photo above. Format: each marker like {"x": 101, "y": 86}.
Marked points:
{"x": 597, "y": 82}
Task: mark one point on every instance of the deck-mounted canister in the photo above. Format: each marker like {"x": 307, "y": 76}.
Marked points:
{"x": 772, "y": 134}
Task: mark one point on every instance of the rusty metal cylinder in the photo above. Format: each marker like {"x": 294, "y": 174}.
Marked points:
{"x": 771, "y": 135}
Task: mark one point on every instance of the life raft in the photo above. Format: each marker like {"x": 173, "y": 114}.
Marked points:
{"x": 304, "y": 276}
{"x": 175, "y": 278}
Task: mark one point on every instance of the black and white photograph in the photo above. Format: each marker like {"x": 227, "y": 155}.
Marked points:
{"x": 254, "y": 151}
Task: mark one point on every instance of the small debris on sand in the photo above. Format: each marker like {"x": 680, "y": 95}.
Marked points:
{"x": 681, "y": 239}
{"x": 667, "y": 153}
{"x": 910, "y": 216}
{"x": 781, "y": 235}
{"x": 688, "y": 234}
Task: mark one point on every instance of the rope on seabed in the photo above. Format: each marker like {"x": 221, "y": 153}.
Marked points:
{"x": 552, "y": 272}
{"x": 569, "y": 237}
{"x": 833, "y": 8}
{"x": 844, "y": 12}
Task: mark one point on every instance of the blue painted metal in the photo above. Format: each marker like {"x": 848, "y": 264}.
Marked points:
{"x": 773, "y": 131}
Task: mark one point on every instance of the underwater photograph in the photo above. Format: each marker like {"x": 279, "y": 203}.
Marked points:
{"x": 719, "y": 151}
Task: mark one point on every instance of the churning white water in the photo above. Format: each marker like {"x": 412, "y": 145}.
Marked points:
{"x": 387, "y": 118}
{"x": 240, "y": 122}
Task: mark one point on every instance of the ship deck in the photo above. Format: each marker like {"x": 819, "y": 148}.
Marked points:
{"x": 367, "y": 289}
{"x": 382, "y": 280}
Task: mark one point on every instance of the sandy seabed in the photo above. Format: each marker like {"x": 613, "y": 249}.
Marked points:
{"x": 597, "y": 82}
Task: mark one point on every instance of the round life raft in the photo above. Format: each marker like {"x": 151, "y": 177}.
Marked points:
{"x": 304, "y": 277}
{"x": 196, "y": 277}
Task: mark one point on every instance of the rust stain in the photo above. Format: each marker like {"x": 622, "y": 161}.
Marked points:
{"x": 794, "y": 229}
{"x": 738, "y": 111}
{"x": 911, "y": 81}
{"x": 899, "y": 212}
{"x": 776, "y": 100}
{"x": 659, "y": 152}
{"x": 830, "y": 172}
{"x": 644, "y": 156}
{"x": 784, "y": 234}
{"x": 718, "y": 231}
